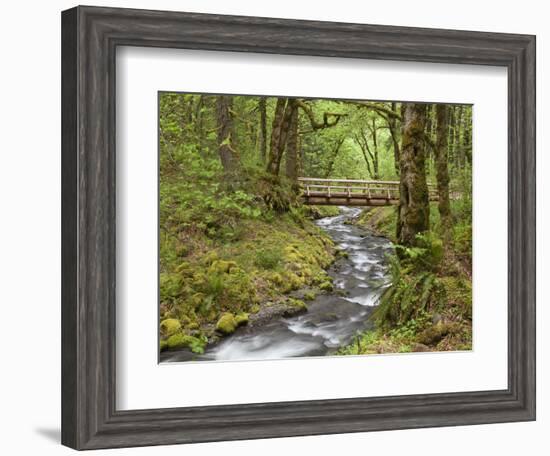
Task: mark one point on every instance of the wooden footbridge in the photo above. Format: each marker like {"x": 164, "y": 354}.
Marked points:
{"x": 352, "y": 192}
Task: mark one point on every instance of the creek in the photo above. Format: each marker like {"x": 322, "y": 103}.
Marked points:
{"x": 332, "y": 319}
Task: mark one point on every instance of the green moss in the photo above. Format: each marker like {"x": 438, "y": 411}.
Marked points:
{"x": 227, "y": 323}
{"x": 220, "y": 266}
{"x": 326, "y": 286}
{"x": 255, "y": 308}
{"x": 268, "y": 258}
{"x": 275, "y": 254}
{"x": 297, "y": 303}
{"x": 380, "y": 220}
{"x": 241, "y": 318}
{"x": 171, "y": 285}
{"x": 434, "y": 334}
{"x": 309, "y": 295}
{"x": 317, "y": 212}
{"x": 292, "y": 281}
{"x": 169, "y": 326}
{"x": 181, "y": 340}
{"x": 276, "y": 278}
{"x": 185, "y": 269}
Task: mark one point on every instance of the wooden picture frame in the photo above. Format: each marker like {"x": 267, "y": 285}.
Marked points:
{"x": 90, "y": 36}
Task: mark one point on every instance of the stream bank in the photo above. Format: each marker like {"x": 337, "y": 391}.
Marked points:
{"x": 332, "y": 319}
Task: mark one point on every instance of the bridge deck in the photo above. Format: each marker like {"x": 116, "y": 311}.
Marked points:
{"x": 352, "y": 192}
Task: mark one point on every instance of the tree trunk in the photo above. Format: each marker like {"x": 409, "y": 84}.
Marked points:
{"x": 279, "y": 133}
{"x": 276, "y": 135}
{"x": 414, "y": 209}
{"x": 292, "y": 147}
{"x": 263, "y": 128}
{"x": 467, "y": 137}
{"x": 442, "y": 170}
{"x": 451, "y": 140}
{"x": 228, "y": 154}
{"x": 375, "y": 164}
{"x": 392, "y": 124}
{"x": 458, "y": 135}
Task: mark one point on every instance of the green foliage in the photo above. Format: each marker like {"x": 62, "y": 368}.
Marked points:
{"x": 408, "y": 296}
{"x": 181, "y": 340}
{"x": 426, "y": 255}
{"x": 268, "y": 258}
{"x": 230, "y": 242}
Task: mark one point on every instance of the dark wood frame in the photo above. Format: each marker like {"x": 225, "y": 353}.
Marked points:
{"x": 90, "y": 36}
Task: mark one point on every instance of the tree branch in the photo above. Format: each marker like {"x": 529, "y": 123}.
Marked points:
{"x": 326, "y": 123}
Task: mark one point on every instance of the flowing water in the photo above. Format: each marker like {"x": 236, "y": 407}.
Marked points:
{"x": 332, "y": 319}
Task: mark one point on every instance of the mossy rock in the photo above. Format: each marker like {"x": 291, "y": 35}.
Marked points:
{"x": 181, "y": 340}
{"x": 342, "y": 253}
{"x": 227, "y": 323}
{"x": 169, "y": 326}
{"x": 221, "y": 266}
{"x": 241, "y": 318}
{"x": 276, "y": 278}
{"x": 309, "y": 295}
{"x": 434, "y": 334}
{"x": 163, "y": 345}
{"x": 326, "y": 286}
{"x": 298, "y": 304}
{"x": 292, "y": 282}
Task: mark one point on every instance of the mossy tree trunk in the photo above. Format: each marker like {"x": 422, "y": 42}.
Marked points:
{"x": 279, "y": 133}
{"x": 292, "y": 148}
{"x": 228, "y": 155}
{"x": 442, "y": 170}
{"x": 395, "y": 137}
{"x": 263, "y": 128}
{"x": 413, "y": 209}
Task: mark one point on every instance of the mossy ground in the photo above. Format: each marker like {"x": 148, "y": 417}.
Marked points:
{"x": 429, "y": 306}
{"x": 209, "y": 285}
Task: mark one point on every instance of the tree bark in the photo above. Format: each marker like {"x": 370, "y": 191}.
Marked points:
{"x": 280, "y": 130}
{"x": 276, "y": 136}
{"x": 228, "y": 155}
{"x": 392, "y": 125}
{"x": 442, "y": 170}
{"x": 292, "y": 147}
{"x": 263, "y": 128}
{"x": 375, "y": 163}
{"x": 414, "y": 209}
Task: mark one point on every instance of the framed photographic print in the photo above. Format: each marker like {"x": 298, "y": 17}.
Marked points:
{"x": 280, "y": 228}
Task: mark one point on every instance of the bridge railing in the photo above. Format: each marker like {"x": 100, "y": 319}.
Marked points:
{"x": 354, "y": 188}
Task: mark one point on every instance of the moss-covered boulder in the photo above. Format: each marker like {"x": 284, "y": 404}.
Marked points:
{"x": 241, "y": 318}
{"x": 298, "y": 304}
{"x": 221, "y": 266}
{"x": 309, "y": 295}
{"x": 227, "y": 323}
{"x": 169, "y": 326}
{"x": 326, "y": 286}
{"x": 433, "y": 334}
{"x": 181, "y": 340}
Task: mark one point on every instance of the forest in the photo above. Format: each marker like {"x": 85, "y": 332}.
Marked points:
{"x": 251, "y": 268}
